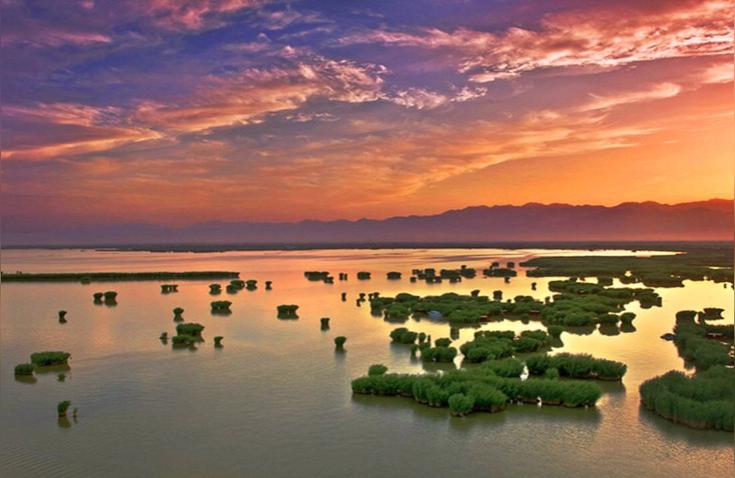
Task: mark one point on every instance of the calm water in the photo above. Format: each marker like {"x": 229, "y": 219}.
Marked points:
{"x": 276, "y": 400}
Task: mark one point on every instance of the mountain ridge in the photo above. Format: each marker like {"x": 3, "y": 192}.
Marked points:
{"x": 697, "y": 220}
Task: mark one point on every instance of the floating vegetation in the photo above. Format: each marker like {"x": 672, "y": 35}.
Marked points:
{"x": 339, "y": 342}
{"x": 704, "y": 400}
{"x": 47, "y": 359}
{"x": 710, "y": 313}
{"x": 430, "y": 275}
{"x": 499, "y": 272}
{"x": 497, "y": 344}
{"x": 107, "y": 298}
{"x": 699, "y": 263}
{"x": 62, "y": 407}
{"x": 438, "y": 354}
{"x": 87, "y": 277}
{"x": 184, "y": 340}
{"x": 402, "y": 335}
{"x": 220, "y": 306}
{"x": 192, "y": 328}
{"x": 377, "y": 369}
{"x": 235, "y": 285}
{"x": 287, "y": 311}
{"x": 703, "y": 344}
{"x": 581, "y": 366}
{"x": 24, "y": 369}
{"x": 575, "y": 304}
{"x": 507, "y": 367}
{"x": 489, "y": 392}
{"x": 169, "y": 288}
{"x": 317, "y": 276}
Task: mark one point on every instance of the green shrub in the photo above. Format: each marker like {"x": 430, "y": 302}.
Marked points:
{"x": 551, "y": 373}
{"x": 46, "y": 359}
{"x": 555, "y": 330}
{"x": 377, "y": 369}
{"x": 220, "y": 305}
{"x": 402, "y": 335}
{"x": 287, "y": 311}
{"x": 577, "y": 366}
{"x": 443, "y": 342}
{"x": 190, "y": 328}
{"x": 184, "y": 340}
{"x": 705, "y": 400}
{"x": 627, "y": 317}
{"x": 62, "y": 407}
{"x": 507, "y": 367}
{"x": 686, "y": 315}
{"x": 438, "y": 354}
{"x": 24, "y": 369}
{"x": 461, "y": 405}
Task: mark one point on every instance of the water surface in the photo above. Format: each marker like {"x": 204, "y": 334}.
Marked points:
{"x": 276, "y": 401}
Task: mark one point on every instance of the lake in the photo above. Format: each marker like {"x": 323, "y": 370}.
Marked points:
{"x": 276, "y": 401}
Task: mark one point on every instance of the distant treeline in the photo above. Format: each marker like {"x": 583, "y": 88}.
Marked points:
{"x": 113, "y": 276}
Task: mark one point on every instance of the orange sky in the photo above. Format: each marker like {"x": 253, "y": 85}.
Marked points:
{"x": 246, "y": 111}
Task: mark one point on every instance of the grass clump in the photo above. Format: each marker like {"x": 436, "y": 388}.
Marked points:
{"x": 377, "y": 369}
{"x": 705, "y": 400}
{"x": 402, "y": 335}
{"x": 220, "y": 306}
{"x": 489, "y": 392}
{"x": 339, "y": 342}
{"x": 24, "y": 369}
{"x": 193, "y": 329}
{"x": 580, "y": 366}
{"x": 287, "y": 311}
{"x": 62, "y": 407}
{"x": 48, "y": 359}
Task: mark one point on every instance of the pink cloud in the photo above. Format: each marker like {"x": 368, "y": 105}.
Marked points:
{"x": 193, "y": 14}
{"x": 607, "y": 38}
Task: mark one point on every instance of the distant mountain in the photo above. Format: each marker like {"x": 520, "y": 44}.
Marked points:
{"x": 647, "y": 221}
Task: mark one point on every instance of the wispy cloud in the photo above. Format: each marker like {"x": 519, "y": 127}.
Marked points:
{"x": 606, "y": 38}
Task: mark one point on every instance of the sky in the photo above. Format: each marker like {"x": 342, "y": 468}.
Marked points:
{"x": 177, "y": 112}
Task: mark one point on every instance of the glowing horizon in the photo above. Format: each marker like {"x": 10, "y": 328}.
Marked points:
{"x": 181, "y": 112}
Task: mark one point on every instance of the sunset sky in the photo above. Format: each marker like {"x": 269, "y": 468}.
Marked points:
{"x": 174, "y": 112}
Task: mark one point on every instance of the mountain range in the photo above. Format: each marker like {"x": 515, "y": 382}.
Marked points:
{"x": 644, "y": 221}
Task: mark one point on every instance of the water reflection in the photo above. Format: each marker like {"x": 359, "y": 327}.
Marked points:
{"x": 281, "y": 375}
